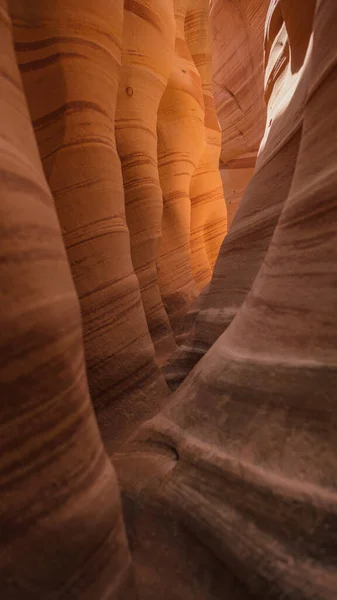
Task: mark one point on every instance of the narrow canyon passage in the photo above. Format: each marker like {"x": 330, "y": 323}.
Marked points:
{"x": 168, "y": 286}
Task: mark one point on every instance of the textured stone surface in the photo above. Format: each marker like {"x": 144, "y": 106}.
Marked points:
{"x": 69, "y": 55}
{"x": 229, "y": 491}
{"x": 208, "y": 209}
{"x": 62, "y": 533}
{"x": 143, "y": 80}
{"x": 245, "y": 246}
{"x": 194, "y": 214}
{"x": 237, "y": 51}
{"x": 244, "y": 456}
{"x": 181, "y": 138}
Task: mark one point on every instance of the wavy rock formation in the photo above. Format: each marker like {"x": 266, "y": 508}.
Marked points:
{"x": 238, "y": 473}
{"x": 229, "y": 489}
{"x": 181, "y": 138}
{"x": 237, "y": 42}
{"x": 208, "y": 208}
{"x": 194, "y": 213}
{"x": 143, "y": 79}
{"x": 54, "y": 473}
{"x": 69, "y": 55}
{"x": 244, "y": 248}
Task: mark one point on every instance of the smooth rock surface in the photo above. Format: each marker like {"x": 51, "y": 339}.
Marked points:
{"x": 228, "y": 484}
{"x": 54, "y": 472}
{"x": 244, "y": 248}
{"x": 143, "y": 80}
{"x": 237, "y": 53}
{"x": 243, "y": 459}
{"x": 69, "y": 54}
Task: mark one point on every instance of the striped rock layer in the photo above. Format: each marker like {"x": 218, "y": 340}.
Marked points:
{"x": 143, "y": 80}
{"x": 231, "y": 491}
{"x": 244, "y": 248}
{"x": 82, "y": 224}
{"x": 111, "y": 220}
{"x": 94, "y": 82}
{"x": 62, "y": 532}
{"x": 69, "y": 54}
{"x": 237, "y": 42}
{"x": 185, "y": 152}
{"x": 208, "y": 211}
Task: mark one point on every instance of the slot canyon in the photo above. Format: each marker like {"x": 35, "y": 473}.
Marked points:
{"x": 168, "y": 287}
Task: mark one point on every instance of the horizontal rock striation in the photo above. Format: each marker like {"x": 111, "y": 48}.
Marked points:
{"x": 69, "y": 54}
{"x": 62, "y": 532}
{"x": 239, "y": 470}
{"x": 244, "y": 248}
{"x": 237, "y": 42}
{"x": 112, "y": 217}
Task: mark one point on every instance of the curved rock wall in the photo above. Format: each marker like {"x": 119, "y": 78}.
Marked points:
{"x": 181, "y": 137}
{"x": 62, "y": 533}
{"x": 208, "y": 209}
{"x": 69, "y": 54}
{"x": 194, "y": 213}
{"x": 240, "y": 467}
{"x": 237, "y": 42}
{"x": 229, "y": 490}
{"x": 132, "y": 239}
{"x": 143, "y": 80}
{"x": 243, "y": 250}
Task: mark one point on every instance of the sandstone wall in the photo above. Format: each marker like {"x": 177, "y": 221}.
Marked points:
{"x": 147, "y": 60}
{"x": 208, "y": 209}
{"x": 62, "y": 532}
{"x": 69, "y": 54}
{"x": 229, "y": 488}
{"x": 181, "y": 139}
{"x": 248, "y": 240}
{"x": 81, "y": 65}
{"x": 93, "y": 80}
{"x": 240, "y": 467}
{"x": 237, "y": 51}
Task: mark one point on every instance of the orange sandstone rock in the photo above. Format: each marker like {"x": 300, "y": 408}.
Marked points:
{"x": 147, "y": 58}
{"x": 69, "y": 55}
{"x": 62, "y": 532}
{"x": 230, "y": 490}
{"x": 208, "y": 208}
{"x": 181, "y": 138}
{"x": 237, "y": 53}
{"x": 238, "y": 472}
{"x": 244, "y": 248}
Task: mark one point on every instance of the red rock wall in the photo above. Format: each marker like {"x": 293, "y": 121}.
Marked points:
{"x": 229, "y": 490}
{"x": 244, "y": 248}
{"x": 127, "y": 231}
{"x": 241, "y": 464}
{"x": 208, "y": 209}
{"x": 181, "y": 138}
{"x": 62, "y": 531}
{"x": 69, "y": 54}
{"x": 237, "y": 51}
{"x": 143, "y": 80}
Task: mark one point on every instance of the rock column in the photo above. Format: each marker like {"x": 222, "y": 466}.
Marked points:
{"x": 208, "y": 208}
{"x": 69, "y": 53}
{"x": 147, "y": 58}
{"x": 181, "y": 138}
